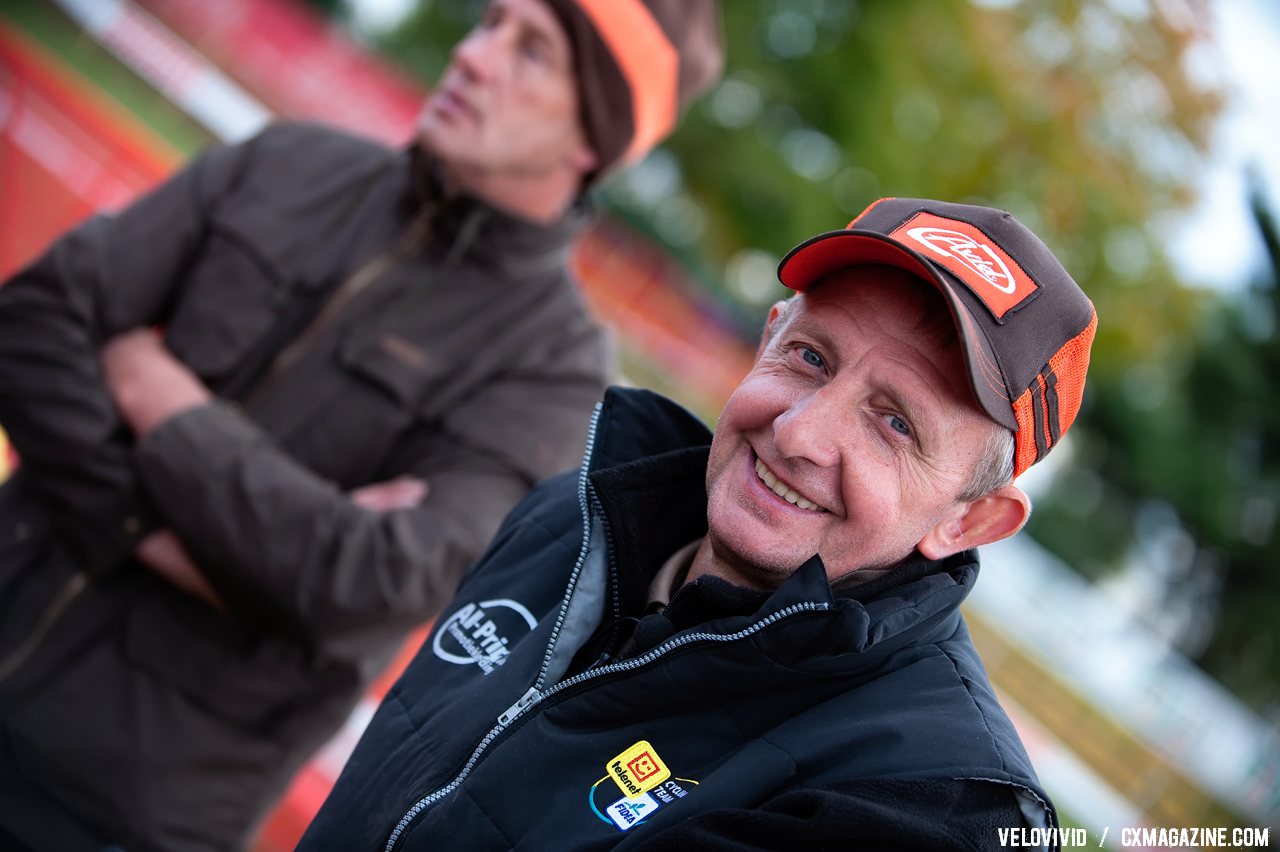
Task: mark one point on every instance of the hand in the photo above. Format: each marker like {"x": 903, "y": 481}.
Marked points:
{"x": 146, "y": 382}
{"x": 403, "y": 492}
{"x": 163, "y": 553}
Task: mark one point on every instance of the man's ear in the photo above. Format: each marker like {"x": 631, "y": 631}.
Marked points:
{"x": 990, "y": 518}
{"x": 583, "y": 158}
{"x": 775, "y": 312}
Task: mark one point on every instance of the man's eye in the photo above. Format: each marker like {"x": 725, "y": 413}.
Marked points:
{"x": 535, "y": 50}
{"x": 899, "y": 425}
{"x": 813, "y": 359}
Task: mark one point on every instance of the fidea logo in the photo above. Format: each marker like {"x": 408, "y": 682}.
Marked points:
{"x": 976, "y": 256}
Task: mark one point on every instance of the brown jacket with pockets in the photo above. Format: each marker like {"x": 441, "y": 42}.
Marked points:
{"x": 356, "y": 325}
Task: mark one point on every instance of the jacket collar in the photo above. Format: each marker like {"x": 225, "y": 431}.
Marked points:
{"x": 481, "y": 232}
{"x": 635, "y": 424}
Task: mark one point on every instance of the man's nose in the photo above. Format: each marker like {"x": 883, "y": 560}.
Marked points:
{"x": 477, "y": 54}
{"x": 810, "y": 428}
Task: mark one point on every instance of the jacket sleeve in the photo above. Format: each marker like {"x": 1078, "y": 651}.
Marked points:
{"x": 288, "y": 550}
{"x": 109, "y": 274}
{"x": 913, "y": 815}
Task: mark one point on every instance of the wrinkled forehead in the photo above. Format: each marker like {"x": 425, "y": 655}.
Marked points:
{"x": 885, "y": 294}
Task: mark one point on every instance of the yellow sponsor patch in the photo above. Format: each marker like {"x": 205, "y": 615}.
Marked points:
{"x": 638, "y": 769}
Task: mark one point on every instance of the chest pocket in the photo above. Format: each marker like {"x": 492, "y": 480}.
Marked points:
{"x": 402, "y": 370}
{"x": 364, "y": 400}
{"x": 229, "y": 302}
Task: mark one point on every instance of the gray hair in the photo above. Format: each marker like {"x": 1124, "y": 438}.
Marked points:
{"x": 995, "y": 466}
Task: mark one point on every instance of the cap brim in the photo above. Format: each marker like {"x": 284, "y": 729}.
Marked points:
{"x": 818, "y": 257}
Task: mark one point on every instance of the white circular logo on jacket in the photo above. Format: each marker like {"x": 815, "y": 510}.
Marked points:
{"x": 482, "y": 633}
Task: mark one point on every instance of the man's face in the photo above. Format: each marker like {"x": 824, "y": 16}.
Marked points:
{"x": 859, "y": 412}
{"x": 508, "y": 101}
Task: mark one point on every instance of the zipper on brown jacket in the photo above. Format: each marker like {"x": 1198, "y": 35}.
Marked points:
{"x": 411, "y": 240}
{"x": 69, "y": 591}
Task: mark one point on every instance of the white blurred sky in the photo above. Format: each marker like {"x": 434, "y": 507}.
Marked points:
{"x": 1217, "y": 245}
{"x": 379, "y": 15}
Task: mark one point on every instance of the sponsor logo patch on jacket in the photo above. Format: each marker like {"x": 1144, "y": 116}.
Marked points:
{"x": 482, "y": 633}
{"x": 646, "y": 785}
{"x": 638, "y": 769}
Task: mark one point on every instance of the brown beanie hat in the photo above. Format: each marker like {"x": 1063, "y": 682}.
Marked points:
{"x": 639, "y": 63}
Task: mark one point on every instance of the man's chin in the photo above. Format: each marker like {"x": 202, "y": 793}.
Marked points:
{"x": 752, "y": 566}
{"x": 429, "y": 133}
{"x": 442, "y": 134}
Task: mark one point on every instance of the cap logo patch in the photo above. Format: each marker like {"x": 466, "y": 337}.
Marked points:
{"x": 971, "y": 256}
{"x": 977, "y": 256}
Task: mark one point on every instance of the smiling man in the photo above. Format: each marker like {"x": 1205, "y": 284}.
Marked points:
{"x": 752, "y": 640}
{"x": 869, "y": 351}
{"x": 219, "y": 535}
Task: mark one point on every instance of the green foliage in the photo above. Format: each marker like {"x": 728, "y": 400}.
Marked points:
{"x": 1208, "y": 448}
{"x": 422, "y": 42}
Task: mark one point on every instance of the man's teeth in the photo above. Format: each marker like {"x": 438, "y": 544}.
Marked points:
{"x": 780, "y": 488}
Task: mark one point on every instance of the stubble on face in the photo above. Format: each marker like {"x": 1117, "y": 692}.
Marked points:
{"x": 721, "y": 555}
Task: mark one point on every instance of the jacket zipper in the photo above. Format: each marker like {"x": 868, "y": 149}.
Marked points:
{"x": 530, "y": 696}
{"x": 412, "y": 238}
{"x": 582, "y": 551}
{"x": 534, "y": 695}
{"x": 67, "y": 593}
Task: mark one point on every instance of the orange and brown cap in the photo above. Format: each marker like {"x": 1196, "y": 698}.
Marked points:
{"x": 638, "y": 63}
{"x": 1025, "y": 326}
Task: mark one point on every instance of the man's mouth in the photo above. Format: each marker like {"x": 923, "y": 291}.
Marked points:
{"x": 455, "y": 103}
{"x": 786, "y": 492}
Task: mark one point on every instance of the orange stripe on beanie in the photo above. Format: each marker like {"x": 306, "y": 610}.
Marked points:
{"x": 638, "y": 63}
{"x": 649, "y": 63}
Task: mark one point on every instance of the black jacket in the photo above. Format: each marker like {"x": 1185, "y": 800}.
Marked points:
{"x": 133, "y": 713}
{"x": 543, "y": 713}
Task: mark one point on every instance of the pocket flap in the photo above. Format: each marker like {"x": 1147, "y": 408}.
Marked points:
{"x": 400, "y": 367}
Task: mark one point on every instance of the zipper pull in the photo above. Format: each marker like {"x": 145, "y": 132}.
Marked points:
{"x": 526, "y": 701}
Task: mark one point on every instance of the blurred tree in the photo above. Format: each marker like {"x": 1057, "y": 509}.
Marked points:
{"x": 1197, "y": 480}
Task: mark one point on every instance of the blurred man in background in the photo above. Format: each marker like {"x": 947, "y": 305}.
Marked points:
{"x": 752, "y": 640}
{"x": 220, "y": 530}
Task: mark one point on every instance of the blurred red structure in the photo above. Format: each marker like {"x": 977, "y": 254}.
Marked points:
{"x": 66, "y": 150}
{"x": 330, "y": 78}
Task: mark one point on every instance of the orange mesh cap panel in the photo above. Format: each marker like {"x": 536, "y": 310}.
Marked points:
{"x": 1070, "y": 364}
{"x": 1025, "y": 453}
